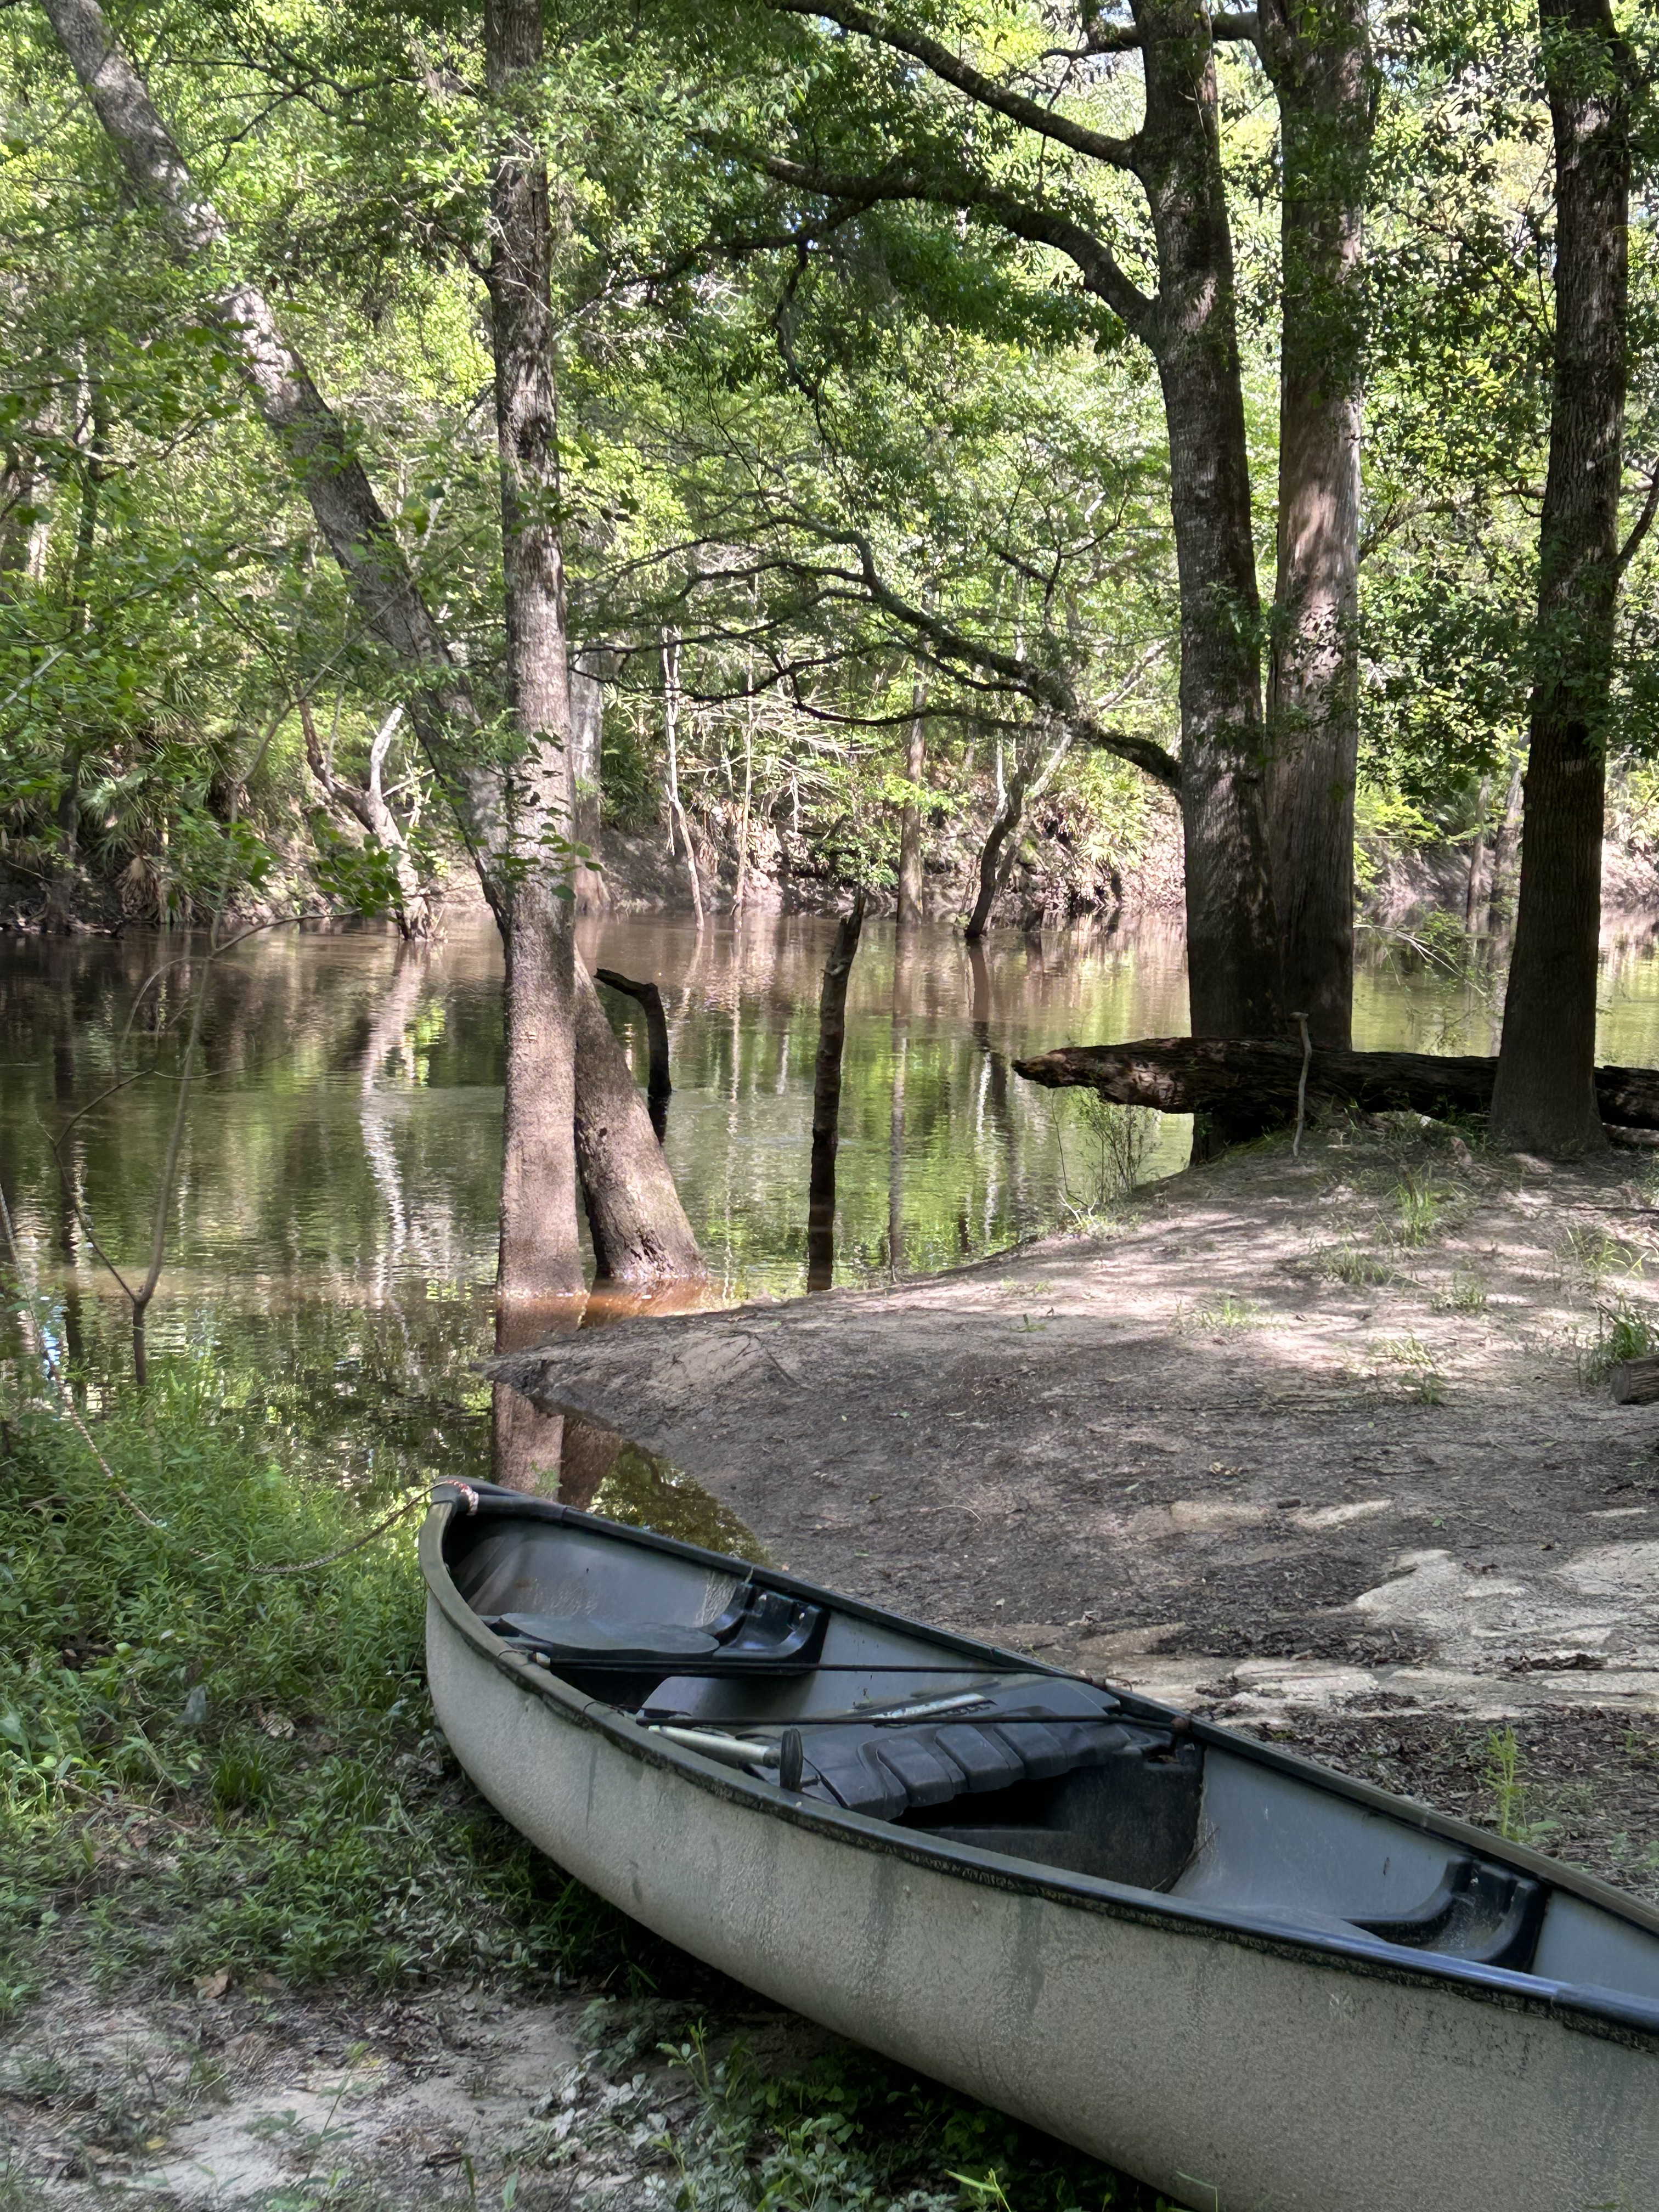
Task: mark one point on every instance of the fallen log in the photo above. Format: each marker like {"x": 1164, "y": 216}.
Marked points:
{"x": 1253, "y": 1080}
{"x": 1635, "y": 1382}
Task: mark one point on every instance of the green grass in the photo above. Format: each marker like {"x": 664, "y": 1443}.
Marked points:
{"x": 1622, "y": 1332}
{"x": 847, "y": 2130}
{"x": 203, "y": 1770}
{"x": 1420, "y": 1204}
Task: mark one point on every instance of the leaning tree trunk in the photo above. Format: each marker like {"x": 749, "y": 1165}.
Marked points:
{"x": 996, "y": 853}
{"x": 1232, "y": 951}
{"x": 327, "y": 470}
{"x": 1545, "y": 1096}
{"x": 540, "y": 1245}
{"x": 1318, "y": 58}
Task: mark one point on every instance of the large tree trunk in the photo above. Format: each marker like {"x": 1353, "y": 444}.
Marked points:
{"x": 1318, "y": 58}
{"x": 540, "y": 1245}
{"x": 1232, "y": 951}
{"x": 1259, "y": 1078}
{"x": 916, "y": 763}
{"x": 341, "y": 496}
{"x": 1545, "y": 1099}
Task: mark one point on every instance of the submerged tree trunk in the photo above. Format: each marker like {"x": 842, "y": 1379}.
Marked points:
{"x": 1319, "y": 59}
{"x": 916, "y": 763}
{"x": 333, "y": 480}
{"x": 540, "y": 1247}
{"x": 1545, "y": 1098}
{"x": 826, "y": 1100}
{"x": 1232, "y": 949}
{"x": 641, "y": 1234}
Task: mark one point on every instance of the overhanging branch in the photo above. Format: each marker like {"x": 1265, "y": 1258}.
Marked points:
{"x": 985, "y": 91}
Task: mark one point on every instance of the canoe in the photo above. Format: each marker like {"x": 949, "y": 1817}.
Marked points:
{"x": 1254, "y": 1984}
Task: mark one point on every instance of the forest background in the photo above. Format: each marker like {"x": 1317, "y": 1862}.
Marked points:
{"x": 865, "y": 505}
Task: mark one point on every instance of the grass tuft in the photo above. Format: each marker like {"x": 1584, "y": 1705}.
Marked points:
{"x": 1622, "y": 1332}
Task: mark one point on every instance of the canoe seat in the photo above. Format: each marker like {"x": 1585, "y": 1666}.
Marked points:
{"x": 1481, "y": 1911}
{"x": 578, "y": 1636}
{"x": 761, "y": 1631}
{"x": 1028, "y": 1731}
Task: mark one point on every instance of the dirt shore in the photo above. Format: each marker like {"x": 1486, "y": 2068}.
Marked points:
{"x": 1314, "y": 1444}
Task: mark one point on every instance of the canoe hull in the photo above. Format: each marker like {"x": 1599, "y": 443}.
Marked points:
{"x": 1230, "y": 2073}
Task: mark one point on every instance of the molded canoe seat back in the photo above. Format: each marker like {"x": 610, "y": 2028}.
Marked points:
{"x": 761, "y": 1631}
{"x": 1479, "y": 1911}
{"x": 1030, "y": 1731}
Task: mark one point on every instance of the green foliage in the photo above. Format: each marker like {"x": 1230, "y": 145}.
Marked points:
{"x": 851, "y": 2131}
{"x": 1622, "y": 1332}
{"x": 201, "y": 1769}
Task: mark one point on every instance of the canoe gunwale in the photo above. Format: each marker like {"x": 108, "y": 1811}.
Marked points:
{"x": 1603, "y": 2013}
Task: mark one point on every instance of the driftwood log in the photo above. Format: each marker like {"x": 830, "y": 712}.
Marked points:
{"x": 1253, "y": 1080}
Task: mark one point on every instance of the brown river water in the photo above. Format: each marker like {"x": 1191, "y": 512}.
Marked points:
{"x": 331, "y": 1245}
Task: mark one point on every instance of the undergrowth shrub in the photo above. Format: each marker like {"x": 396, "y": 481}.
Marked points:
{"x": 237, "y": 1770}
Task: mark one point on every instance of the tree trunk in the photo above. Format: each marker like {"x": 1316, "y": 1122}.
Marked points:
{"x": 671, "y": 724}
{"x": 341, "y": 498}
{"x": 1260, "y": 1077}
{"x": 1232, "y": 949}
{"x": 826, "y": 1100}
{"x": 1500, "y": 897}
{"x": 1474, "y": 882}
{"x": 587, "y": 769}
{"x": 540, "y": 1247}
{"x": 903, "y": 961}
{"x": 1319, "y": 59}
{"x": 366, "y": 806}
{"x": 916, "y": 763}
{"x": 1545, "y": 1097}
{"x": 659, "y": 1086}
{"x": 992, "y": 871}
{"x": 641, "y": 1234}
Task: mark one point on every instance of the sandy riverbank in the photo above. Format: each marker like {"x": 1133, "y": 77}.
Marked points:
{"x": 1311, "y": 1444}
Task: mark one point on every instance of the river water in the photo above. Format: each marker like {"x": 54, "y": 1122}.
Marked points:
{"x": 331, "y": 1246}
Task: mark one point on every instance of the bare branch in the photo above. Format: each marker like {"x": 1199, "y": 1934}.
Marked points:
{"x": 1048, "y": 687}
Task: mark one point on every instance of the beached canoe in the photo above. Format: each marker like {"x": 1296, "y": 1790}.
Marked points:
{"x": 1258, "y": 1985}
